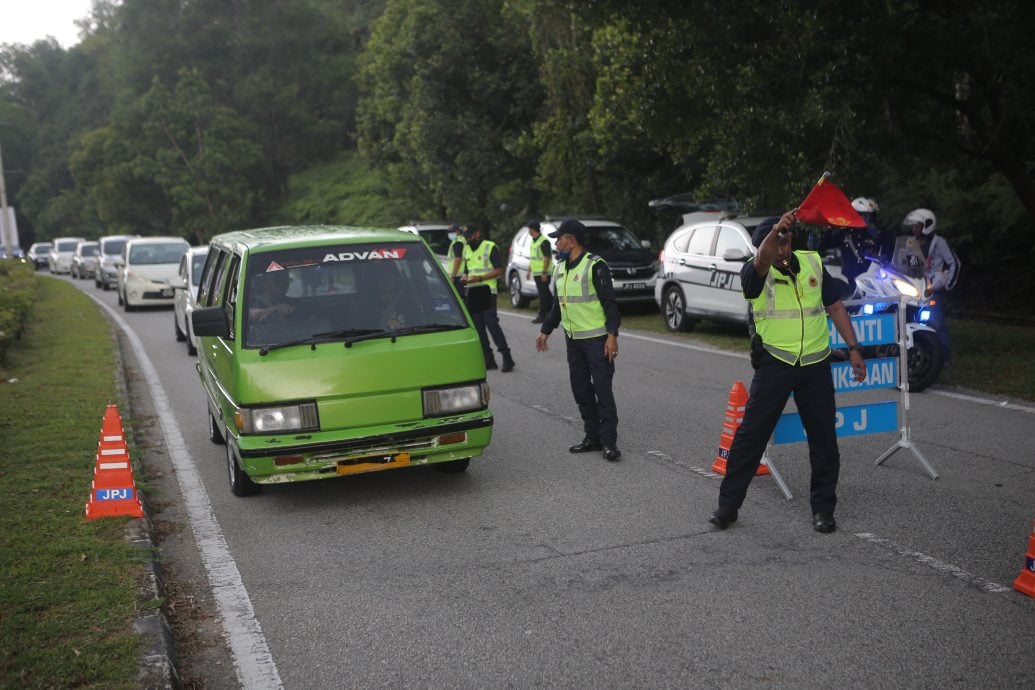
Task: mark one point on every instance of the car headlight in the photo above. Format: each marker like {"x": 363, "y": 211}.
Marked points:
{"x": 445, "y": 401}
{"x": 905, "y": 287}
{"x": 277, "y": 419}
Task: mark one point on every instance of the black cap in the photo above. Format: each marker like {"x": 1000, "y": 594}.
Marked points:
{"x": 762, "y": 230}
{"x": 454, "y": 228}
{"x": 571, "y": 227}
{"x": 534, "y": 224}
{"x": 469, "y": 230}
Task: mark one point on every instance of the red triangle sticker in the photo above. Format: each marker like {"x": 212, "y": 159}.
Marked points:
{"x": 274, "y": 266}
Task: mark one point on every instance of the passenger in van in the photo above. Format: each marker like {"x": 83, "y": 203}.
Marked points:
{"x": 394, "y": 304}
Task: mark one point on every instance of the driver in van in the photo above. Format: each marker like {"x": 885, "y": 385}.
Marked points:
{"x": 269, "y": 296}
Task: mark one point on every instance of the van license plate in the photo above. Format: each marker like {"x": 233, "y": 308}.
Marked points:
{"x": 377, "y": 462}
{"x": 634, "y": 286}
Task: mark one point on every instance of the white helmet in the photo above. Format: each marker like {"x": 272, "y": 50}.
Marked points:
{"x": 920, "y": 216}
{"x": 865, "y": 205}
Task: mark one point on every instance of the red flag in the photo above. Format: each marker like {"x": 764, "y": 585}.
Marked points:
{"x": 828, "y": 205}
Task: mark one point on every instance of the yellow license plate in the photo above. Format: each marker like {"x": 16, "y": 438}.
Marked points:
{"x": 380, "y": 462}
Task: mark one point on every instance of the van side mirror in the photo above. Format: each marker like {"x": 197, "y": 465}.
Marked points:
{"x": 210, "y": 322}
{"x": 645, "y": 244}
{"x": 734, "y": 254}
{"x": 178, "y": 283}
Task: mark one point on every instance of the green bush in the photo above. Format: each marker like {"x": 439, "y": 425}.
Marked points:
{"x": 17, "y": 297}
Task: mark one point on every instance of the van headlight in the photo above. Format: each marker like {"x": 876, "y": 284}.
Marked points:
{"x": 277, "y": 419}
{"x": 445, "y": 401}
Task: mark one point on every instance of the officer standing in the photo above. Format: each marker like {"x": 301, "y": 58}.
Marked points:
{"x": 586, "y": 308}
{"x": 791, "y": 295}
{"x": 484, "y": 267}
{"x": 539, "y": 269}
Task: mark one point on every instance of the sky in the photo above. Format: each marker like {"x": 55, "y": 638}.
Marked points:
{"x": 26, "y": 21}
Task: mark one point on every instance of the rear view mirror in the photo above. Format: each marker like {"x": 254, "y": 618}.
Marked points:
{"x": 734, "y": 254}
{"x": 210, "y": 322}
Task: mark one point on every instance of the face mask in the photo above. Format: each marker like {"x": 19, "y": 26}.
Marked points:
{"x": 562, "y": 256}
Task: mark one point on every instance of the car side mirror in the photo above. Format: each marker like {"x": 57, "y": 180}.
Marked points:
{"x": 645, "y": 244}
{"x": 177, "y": 283}
{"x": 734, "y": 254}
{"x": 210, "y": 322}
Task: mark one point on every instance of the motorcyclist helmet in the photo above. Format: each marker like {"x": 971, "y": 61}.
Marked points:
{"x": 865, "y": 205}
{"x": 920, "y": 216}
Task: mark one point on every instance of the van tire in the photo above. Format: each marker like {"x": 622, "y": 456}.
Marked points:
{"x": 214, "y": 433}
{"x": 453, "y": 466}
{"x": 517, "y": 300}
{"x": 240, "y": 483}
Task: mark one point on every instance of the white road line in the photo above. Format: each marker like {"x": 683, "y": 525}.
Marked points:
{"x": 935, "y": 564}
{"x": 1004, "y": 404}
{"x": 253, "y": 661}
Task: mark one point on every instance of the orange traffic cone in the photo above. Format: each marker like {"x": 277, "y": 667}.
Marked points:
{"x": 1025, "y": 582}
{"x": 113, "y": 492}
{"x": 734, "y": 416}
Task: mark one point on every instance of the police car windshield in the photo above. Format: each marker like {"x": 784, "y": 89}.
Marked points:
{"x": 340, "y": 292}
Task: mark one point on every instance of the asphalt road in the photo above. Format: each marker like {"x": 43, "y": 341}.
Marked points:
{"x": 541, "y": 568}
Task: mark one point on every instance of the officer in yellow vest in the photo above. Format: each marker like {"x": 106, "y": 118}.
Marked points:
{"x": 586, "y": 308}
{"x": 791, "y": 295}
{"x": 484, "y": 267}
{"x": 539, "y": 269}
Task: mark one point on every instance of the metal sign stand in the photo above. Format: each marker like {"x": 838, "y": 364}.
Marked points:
{"x": 767, "y": 459}
{"x": 903, "y": 366}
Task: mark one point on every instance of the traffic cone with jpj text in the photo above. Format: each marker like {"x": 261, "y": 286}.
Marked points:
{"x": 730, "y": 423}
{"x": 113, "y": 493}
{"x": 1025, "y": 582}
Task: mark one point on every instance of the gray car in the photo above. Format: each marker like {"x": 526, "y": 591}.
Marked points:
{"x": 185, "y": 295}
{"x": 84, "y": 261}
{"x": 38, "y": 254}
{"x": 105, "y": 274}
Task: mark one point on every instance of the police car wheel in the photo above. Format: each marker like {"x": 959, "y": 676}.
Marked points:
{"x": 673, "y": 310}
{"x": 453, "y": 466}
{"x": 240, "y": 483}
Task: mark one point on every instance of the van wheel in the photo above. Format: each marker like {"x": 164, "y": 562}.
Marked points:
{"x": 240, "y": 483}
{"x": 517, "y": 300}
{"x": 214, "y": 434}
{"x": 673, "y": 310}
{"x": 453, "y": 466}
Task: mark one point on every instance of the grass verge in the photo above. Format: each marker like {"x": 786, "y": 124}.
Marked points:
{"x": 992, "y": 358}
{"x": 68, "y": 594}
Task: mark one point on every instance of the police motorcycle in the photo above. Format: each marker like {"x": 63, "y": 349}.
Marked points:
{"x": 881, "y": 286}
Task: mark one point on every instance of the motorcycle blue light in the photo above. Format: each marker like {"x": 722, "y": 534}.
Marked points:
{"x": 925, "y": 314}
{"x": 867, "y": 309}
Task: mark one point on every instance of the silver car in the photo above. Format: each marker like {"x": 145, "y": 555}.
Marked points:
{"x": 84, "y": 261}
{"x": 185, "y": 295}
{"x": 38, "y": 254}
{"x": 520, "y": 287}
{"x": 438, "y": 237}
{"x": 109, "y": 247}
{"x": 59, "y": 258}
{"x": 145, "y": 267}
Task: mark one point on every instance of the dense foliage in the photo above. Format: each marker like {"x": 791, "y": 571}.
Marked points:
{"x": 193, "y": 116}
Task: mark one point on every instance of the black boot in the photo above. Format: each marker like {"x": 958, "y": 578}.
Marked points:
{"x": 490, "y": 363}
{"x": 508, "y": 363}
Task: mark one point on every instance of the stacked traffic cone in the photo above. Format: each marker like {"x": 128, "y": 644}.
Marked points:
{"x": 1025, "y": 582}
{"x": 734, "y": 416}
{"x": 113, "y": 492}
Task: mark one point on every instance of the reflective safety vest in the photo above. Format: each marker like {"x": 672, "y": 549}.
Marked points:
{"x": 582, "y": 315}
{"x": 537, "y": 263}
{"x": 479, "y": 261}
{"x": 789, "y": 313}
{"x": 462, "y": 242}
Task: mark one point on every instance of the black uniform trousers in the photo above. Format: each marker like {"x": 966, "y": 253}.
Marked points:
{"x": 545, "y": 296}
{"x": 771, "y": 386}
{"x": 591, "y": 376}
{"x": 486, "y": 323}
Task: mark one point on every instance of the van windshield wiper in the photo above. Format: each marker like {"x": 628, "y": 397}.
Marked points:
{"x": 323, "y": 337}
{"x": 410, "y": 330}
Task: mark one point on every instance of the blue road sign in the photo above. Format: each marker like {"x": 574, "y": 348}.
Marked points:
{"x": 112, "y": 494}
{"x": 880, "y": 373}
{"x": 875, "y": 329}
{"x": 853, "y": 420}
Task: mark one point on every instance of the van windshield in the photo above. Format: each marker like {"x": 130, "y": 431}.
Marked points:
{"x": 332, "y": 292}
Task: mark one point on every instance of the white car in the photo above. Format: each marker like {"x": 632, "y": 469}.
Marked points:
{"x": 185, "y": 295}
{"x": 145, "y": 267}
{"x": 59, "y": 258}
{"x": 520, "y": 287}
{"x": 38, "y": 254}
{"x": 438, "y": 237}
{"x": 84, "y": 261}
{"x": 105, "y": 274}
{"x": 634, "y": 269}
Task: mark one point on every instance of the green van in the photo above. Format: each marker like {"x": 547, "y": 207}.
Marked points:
{"x": 328, "y": 351}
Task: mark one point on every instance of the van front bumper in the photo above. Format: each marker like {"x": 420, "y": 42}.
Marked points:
{"x": 301, "y": 457}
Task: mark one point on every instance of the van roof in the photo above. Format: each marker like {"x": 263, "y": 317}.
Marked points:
{"x": 294, "y": 236}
